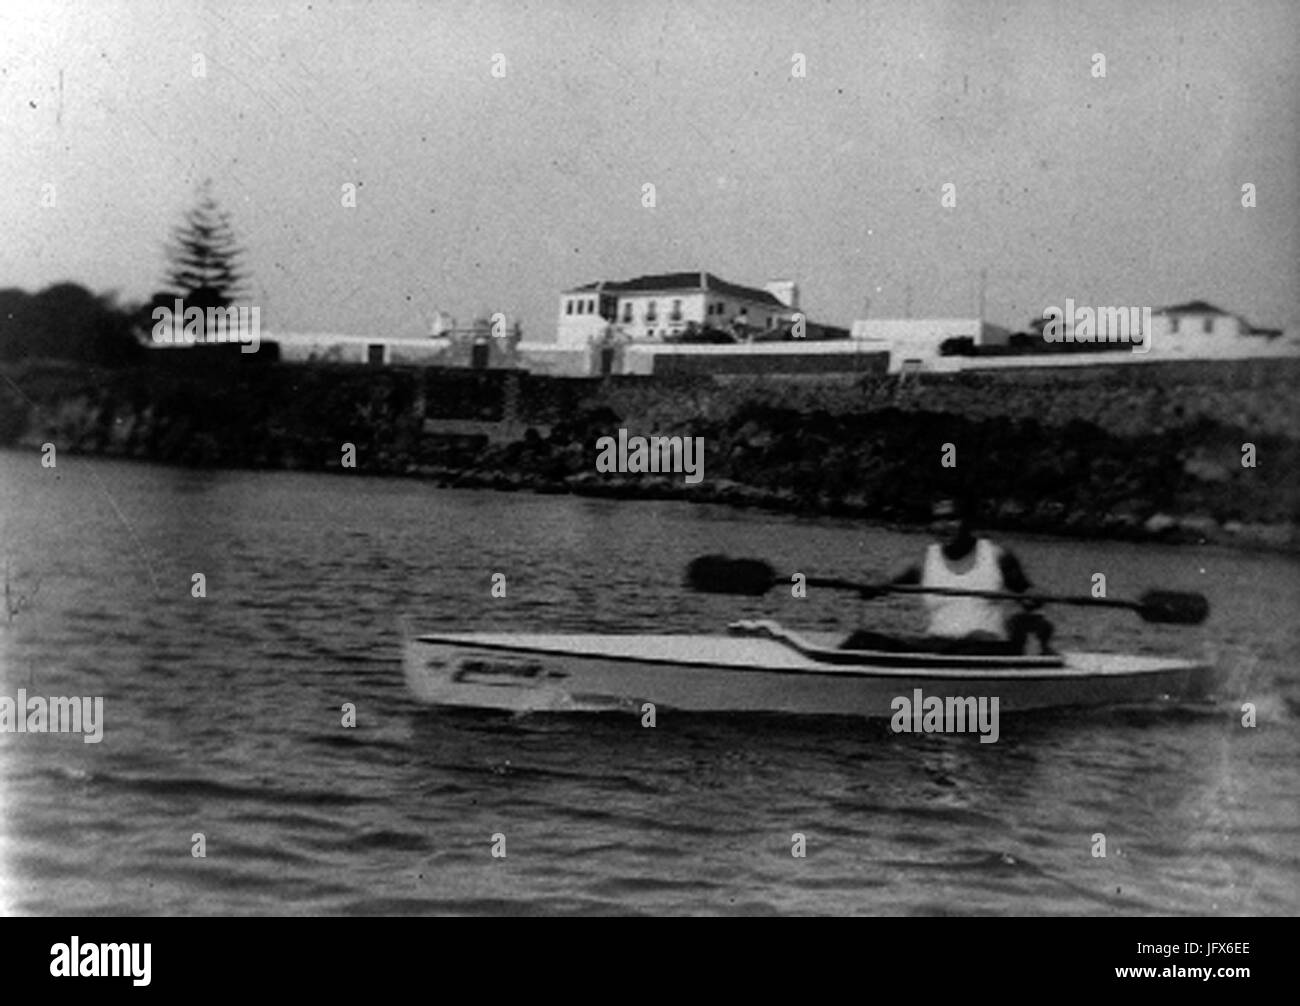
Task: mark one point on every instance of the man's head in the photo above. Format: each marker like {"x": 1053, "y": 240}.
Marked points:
{"x": 952, "y": 520}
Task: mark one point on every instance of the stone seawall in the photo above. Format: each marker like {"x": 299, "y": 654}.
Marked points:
{"x": 1131, "y": 455}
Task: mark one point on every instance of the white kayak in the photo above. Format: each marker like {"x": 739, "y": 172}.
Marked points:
{"x": 762, "y": 667}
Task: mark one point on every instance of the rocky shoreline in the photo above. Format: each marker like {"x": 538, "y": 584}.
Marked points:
{"x": 856, "y": 449}
{"x": 1159, "y": 527}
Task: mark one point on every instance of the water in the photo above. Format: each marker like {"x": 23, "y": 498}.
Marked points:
{"x": 223, "y": 717}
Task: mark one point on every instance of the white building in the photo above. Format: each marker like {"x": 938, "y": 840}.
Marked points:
{"x": 662, "y": 306}
{"x": 916, "y": 342}
{"x": 1201, "y": 331}
{"x": 1192, "y": 331}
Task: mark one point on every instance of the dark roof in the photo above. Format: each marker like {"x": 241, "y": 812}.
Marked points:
{"x": 680, "y": 281}
{"x": 1192, "y": 307}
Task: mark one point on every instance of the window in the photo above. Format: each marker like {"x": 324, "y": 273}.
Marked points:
{"x": 1207, "y": 325}
{"x": 1173, "y": 324}
{"x": 568, "y": 306}
{"x": 676, "y": 314}
{"x": 722, "y": 308}
{"x": 591, "y": 306}
{"x": 651, "y": 311}
{"x": 627, "y": 311}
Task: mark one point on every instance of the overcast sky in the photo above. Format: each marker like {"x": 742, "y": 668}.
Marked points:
{"x": 481, "y": 193}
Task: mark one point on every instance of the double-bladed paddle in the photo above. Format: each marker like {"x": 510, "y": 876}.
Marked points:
{"x": 718, "y": 574}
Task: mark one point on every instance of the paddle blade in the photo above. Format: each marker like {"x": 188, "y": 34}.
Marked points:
{"x": 716, "y": 574}
{"x": 1173, "y": 607}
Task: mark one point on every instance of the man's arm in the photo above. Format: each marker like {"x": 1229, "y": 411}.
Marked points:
{"x": 912, "y": 574}
{"x": 1013, "y": 574}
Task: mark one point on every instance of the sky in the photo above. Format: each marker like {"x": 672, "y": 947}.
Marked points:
{"x": 479, "y": 192}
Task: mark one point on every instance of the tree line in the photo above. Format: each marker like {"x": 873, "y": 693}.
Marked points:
{"x": 67, "y": 321}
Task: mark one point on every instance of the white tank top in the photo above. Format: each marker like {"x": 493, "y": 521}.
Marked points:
{"x": 954, "y": 617}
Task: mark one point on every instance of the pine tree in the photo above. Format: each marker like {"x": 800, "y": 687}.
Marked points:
{"x": 204, "y": 270}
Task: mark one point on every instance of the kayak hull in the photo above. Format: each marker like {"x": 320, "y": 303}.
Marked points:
{"x": 763, "y": 668}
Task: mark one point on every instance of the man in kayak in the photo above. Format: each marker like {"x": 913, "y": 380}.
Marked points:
{"x": 963, "y": 624}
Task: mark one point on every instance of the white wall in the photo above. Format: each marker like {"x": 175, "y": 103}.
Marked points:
{"x": 1185, "y": 337}
{"x": 920, "y": 338}
{"x": 1279, "y": 348}
{"x": 580, "y": 320}
{"x": 555, "y": 360}
{"x": 1165, "y": 346}
{"x": 329, "y": 347}
{"x": 639, "y": 359}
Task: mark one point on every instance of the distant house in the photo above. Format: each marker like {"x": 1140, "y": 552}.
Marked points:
{"x": 1201, "y": 330}
{"x": 659, "y": 307}
{"x": 1198, "y": 318}
{"x": 1196, "y": 330}
{"x": 692, "y": 322}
